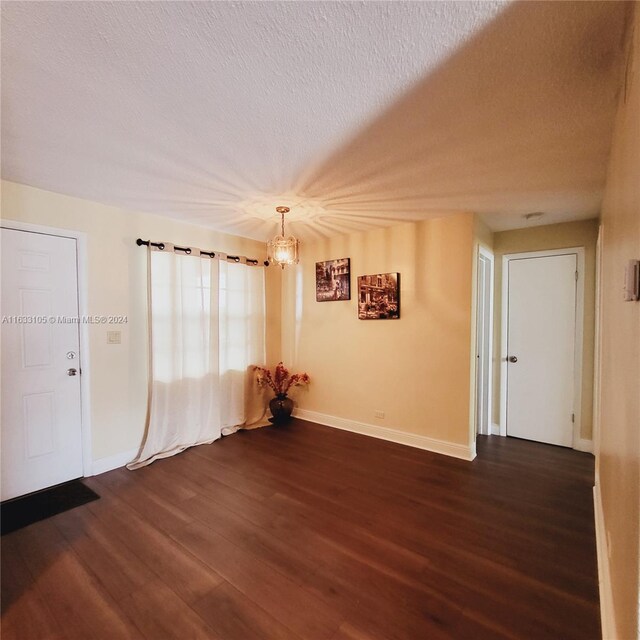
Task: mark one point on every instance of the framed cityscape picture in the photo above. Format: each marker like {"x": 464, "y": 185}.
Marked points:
{"x": 379, "y": 296}
{"x": 333, "y": 280}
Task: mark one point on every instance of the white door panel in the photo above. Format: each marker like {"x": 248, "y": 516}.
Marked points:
{"x": 41, "y": 423}
{"x": 541, "y": 336}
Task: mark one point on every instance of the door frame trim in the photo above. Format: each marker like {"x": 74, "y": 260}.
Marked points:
{"x": 83, "y": 290}
{"x": 579, "y": 252}
{"x": 597, "y": 354}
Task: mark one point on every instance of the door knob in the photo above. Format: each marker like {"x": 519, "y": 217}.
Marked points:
{"x": 72, "y": 372}
{"x": 513, "y": 359}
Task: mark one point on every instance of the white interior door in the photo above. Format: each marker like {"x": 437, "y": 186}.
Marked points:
{"x": 541, "y": 344}
{"x": 41, "y": 413}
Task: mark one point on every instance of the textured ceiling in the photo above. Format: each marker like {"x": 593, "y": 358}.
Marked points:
{"x": 353, "y": 114}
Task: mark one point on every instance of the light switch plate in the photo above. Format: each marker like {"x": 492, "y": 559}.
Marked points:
{"x": 114, "y": 337}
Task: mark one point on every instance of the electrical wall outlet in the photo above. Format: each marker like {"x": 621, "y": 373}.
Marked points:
{"x": 378, "y": 414}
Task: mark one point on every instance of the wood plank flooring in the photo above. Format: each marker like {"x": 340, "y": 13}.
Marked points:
{"x": 307, "y": 532}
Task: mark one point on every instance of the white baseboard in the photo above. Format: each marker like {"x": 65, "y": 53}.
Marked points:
{"x": 102, "y": 465}
{"x": 607, "y": 614}
{"x": 393, "y": 435}
{"x": 584, "y": 445}
{"x": 495, "y": 429}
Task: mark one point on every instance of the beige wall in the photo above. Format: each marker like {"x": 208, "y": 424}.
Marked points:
{"x": 482, "y": 233}
{"x": 554, "y": 236}
{"x": 618, "y": 444}
{"x": 117, "y": 286}
{"x": 415, "y": 369}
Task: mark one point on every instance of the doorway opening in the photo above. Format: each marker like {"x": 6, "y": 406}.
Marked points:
{"x": 484, "y": 341}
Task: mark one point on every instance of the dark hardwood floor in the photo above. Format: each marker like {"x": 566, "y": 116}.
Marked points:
{"x": 309, "y": 532}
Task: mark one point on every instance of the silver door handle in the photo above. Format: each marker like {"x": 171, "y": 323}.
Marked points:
{"x": 513, "y": 359}
{"x": 72, "y": 372}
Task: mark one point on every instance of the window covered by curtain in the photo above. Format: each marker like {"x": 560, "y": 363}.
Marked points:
{"x": 242, "y": 341}
{"x": 207, "y": 326}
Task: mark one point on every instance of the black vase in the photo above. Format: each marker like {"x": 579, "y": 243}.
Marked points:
{"x": 281, "y": 407}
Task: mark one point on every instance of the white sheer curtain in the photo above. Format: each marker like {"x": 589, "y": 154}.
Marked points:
{"x": 207, "y": 324}
{"x": 242, "y": 343}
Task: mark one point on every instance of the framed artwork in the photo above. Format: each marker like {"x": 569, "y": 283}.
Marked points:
{"x": 379, "y": 296}
{"x": 333, "y": 280}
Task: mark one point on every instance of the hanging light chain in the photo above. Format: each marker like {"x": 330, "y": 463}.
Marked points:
{"x": 282, "y": 211}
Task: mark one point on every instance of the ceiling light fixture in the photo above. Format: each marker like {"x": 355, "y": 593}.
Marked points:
{"x": 283, "y": 250}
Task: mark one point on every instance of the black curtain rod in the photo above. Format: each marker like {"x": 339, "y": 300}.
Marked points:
{"x": 161, "y": 246}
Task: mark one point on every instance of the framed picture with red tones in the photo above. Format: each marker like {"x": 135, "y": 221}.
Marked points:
{"x": 379, "y": 296}
{"x": 333, "y": 280}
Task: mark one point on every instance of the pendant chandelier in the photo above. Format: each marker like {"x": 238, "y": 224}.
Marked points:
{"x": 283, "y": 250}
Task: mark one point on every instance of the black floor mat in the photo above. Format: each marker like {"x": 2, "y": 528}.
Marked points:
{"x": 21, "y": 512}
